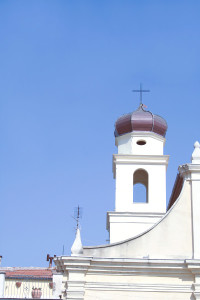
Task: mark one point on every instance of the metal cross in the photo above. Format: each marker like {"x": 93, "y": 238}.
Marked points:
{"x": 140, "y": 91}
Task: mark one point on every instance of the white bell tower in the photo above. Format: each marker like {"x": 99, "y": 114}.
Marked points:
{"x": 139, "y": 169}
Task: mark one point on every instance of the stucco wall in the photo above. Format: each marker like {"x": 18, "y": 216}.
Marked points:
{"x": 119, "y": 295}
{"x": 170, "y": 238}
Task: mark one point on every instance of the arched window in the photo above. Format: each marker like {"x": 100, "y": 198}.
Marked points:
{"x": 140, "y": 186}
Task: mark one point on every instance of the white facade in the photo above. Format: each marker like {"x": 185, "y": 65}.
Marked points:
{"x": 153, "y": 255}
{"x": 140, "y": 159}
{"x": 191, "y": 172}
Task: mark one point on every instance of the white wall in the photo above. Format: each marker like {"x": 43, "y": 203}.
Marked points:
{"x": 127, "y": 225}
{"x": 156, "y": 169}
{"x": 171, "y": 238}
{"x": 57, "y": 285}
{"x": 127, "y": 143}
{"x": 130, "y": 158}
{"x": 110, "y": 279}
{"x": 2, "y": 283}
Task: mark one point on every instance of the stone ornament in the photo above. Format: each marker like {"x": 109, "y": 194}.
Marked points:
{"x": 77, "y": 247}
{"x": 196, "y": 153}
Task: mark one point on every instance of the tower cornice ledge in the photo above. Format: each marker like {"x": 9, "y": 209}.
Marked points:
{"x": 128, "y": 158}
{"x": 131, "y": 159}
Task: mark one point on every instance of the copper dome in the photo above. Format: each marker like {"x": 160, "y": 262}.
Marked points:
{"x": 140, "y": 120}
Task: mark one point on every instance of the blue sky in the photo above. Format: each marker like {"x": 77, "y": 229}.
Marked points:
{"x": 67, "y": 69}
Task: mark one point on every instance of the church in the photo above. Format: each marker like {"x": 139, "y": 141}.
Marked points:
{"x": 154, "y": 252}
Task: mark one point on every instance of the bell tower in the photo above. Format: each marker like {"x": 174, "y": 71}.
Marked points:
{"x": 139, "y": 169}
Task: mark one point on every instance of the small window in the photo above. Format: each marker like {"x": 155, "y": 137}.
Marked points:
{"x": 141, "y": 142}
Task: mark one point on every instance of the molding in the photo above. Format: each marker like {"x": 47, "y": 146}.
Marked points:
{"x": 193, "y": 265}
{"x": 133, "y": 159}
{"x": 130, "y": 159}
{"x": 75, "y": 290}
{"x": 77, "y": 269}
{"x": 141, "y": 134}
{"x": 135, "y": 214}
{"x": 72, "y": 263}
{"x": 139, "y": 287}
{"x": 189, "y": 168}
{"x": 125, "y": 266}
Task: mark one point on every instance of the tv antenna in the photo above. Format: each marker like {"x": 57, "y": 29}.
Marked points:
{"x": 77, "y": 215}
{"x": 50, "y": 259}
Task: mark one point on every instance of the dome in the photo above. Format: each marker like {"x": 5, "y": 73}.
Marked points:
{"x": 140, "y": 120}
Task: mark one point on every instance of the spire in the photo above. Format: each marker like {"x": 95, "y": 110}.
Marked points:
{"x": 196, "y": 153}
{"x": 77, "y": 248}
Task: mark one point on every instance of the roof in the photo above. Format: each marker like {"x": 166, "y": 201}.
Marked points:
{"x": 140, "y": 120}
{"x": 28, "y": 273}
{"x": 178, "y": 185}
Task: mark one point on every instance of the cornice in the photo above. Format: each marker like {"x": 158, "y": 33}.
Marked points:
{"x": 125, "y": 266}
{"x": 189, "y": 168}
{"x": 142, "y": 134}
{"x": 134, "y": 214}
{"x": 72, "y": 262}
{"x": 193, "y": 265}
{"x": 146, "y": 159}
{"x": 139, "y": 287}
{"x": 129, "y": 159}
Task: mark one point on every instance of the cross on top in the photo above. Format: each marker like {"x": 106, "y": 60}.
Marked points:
{"x": 140, "y": 91}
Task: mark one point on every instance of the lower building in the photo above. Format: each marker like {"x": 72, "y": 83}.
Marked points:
{"x": 34, "y": 283}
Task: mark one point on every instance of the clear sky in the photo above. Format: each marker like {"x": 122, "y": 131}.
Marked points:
{"x": 67, "y": 69}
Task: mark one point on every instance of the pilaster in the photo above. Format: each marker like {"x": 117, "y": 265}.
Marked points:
{"x": 194, "y": 267}
{"x": 76, "y": 284}
{"x": 57, "y": 285}
{"x": 191, "y": 172}
{"x": 75, "y": 269}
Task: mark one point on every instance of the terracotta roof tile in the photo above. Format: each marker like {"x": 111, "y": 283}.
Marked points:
{"x": 33, "y": 273}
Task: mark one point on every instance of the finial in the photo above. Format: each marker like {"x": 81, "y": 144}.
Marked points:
{"x": 140, "y": 91}
{"x": 196, "y": 153}
{"x": 77, "y": 248}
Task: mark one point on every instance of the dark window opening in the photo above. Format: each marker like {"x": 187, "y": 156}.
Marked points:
{"x": 141, "y": 143}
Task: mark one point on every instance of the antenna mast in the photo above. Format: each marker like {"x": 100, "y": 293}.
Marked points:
{"x": 77, "y": 215}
